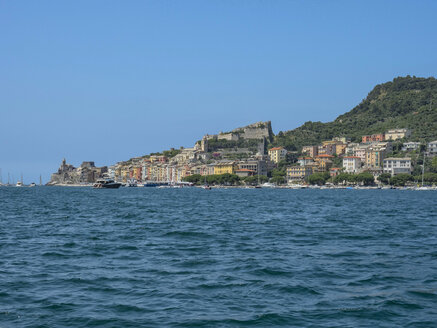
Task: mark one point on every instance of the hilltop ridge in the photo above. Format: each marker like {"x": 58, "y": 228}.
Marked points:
{"x": 405, "y": 102}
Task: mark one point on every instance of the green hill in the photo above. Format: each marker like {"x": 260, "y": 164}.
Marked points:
{"x": 406, "y": 102}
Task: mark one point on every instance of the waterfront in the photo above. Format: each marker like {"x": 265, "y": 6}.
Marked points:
{"x": 75, "y": 257}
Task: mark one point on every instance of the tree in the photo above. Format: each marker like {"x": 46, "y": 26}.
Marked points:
{"x": 434, "y": 165}
{"x": 318, "y": 178}
{"x": 253, "y": 180}
{"x": 366, "y": 178}
{"x": 344, "y": 177}
{"x": 401, "y": 179}
{"x": 384, "y": 178}
{"x": 195, "y": 178}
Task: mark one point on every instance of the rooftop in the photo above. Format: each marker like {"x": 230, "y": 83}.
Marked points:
{"x": 325, "y": 156}
{"x": 397, "y": 159}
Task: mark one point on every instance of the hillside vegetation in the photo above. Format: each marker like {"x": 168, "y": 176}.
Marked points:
{"x": 406, "y": 102}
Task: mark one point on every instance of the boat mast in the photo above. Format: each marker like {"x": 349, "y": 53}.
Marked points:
{"x": 8, "y": 178}
{"x": 423, "y": 167}
{"x": 40, "y": 180}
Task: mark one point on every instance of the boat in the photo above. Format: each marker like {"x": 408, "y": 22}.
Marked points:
{"x": 206, "y": 185}
{"x": 33, "y": 184}
{"x": 268, "y": 185}
{"x": 106, "y": 183}
{"x": 20, "y": 183}
{"x": 132, "y": 183}
{"x": 422, "y": 187}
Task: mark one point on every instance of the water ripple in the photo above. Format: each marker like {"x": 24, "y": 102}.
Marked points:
{"x": 145, "y": 257}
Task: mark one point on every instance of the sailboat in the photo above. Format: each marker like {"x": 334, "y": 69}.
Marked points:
{"x": 423, "y": 174}
{"x": 206, "y": 186}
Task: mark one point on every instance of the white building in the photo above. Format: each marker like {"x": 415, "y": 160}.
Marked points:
{"x": 397, "y": 165}
{"x": 305, "y": 161}
{"x": 432, "y": 148}
{"x": 351, "y": 164}
{"x": 408, "y": 146}
{"x": 111, "y": 172}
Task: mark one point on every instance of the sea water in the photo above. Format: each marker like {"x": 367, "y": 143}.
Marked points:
{"x": 147, "y": 257}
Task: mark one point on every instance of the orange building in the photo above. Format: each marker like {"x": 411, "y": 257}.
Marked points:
{"x": 373, "y": 138}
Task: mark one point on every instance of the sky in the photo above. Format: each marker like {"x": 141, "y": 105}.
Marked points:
{"x": 105, "y": 81}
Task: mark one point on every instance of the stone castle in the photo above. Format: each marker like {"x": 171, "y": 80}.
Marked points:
{"x": 87, "y": 172}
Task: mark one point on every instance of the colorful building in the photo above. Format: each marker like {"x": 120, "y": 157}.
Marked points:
{"x": 327, "y": 149}
{"x": 374, "y": 158}
{"x": 340, "y": 148}
{"x": 334, "y": 171}
{"x": 299, "y": 172}
{"x": 305, "y": 160}
{"x": 222, "y": 168}
{"x": 324, "y": 162}
{"x": 277, "y": 154}
{"x": 373, "y": 138}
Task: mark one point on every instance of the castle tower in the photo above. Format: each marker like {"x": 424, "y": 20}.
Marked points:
{"x": 204, "y": 144}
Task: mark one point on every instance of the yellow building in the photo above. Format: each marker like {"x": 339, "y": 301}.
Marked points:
{"x": 277, "y": 154}
{"x": 396, "y": 134}
{"x": 340, "y": 148}
{"x": 299, "y": 172}
{"x": 324, "y": 162}
{"x": 125, "y": 173}
{"x": 329, "y": 142}
{"x": 374, "y": 158}
{"x": 222, "y": 168}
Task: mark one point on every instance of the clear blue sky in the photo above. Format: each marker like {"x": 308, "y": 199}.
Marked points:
{"x": 109, "y": 80}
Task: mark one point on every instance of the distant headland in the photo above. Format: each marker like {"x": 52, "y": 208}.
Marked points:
{"x": 389, "y": 138}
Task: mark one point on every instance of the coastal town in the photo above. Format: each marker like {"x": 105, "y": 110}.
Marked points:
{"x": 244, "y": 157}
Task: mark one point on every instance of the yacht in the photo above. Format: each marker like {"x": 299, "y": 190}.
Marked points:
{"x": 19, "y": 184}
{"x": 106, "y": 183}
{"x": 33, "y": 184}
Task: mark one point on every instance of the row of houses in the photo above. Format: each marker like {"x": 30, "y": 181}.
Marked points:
{"x": 369, "y": 155}
{"x": 391, "y": 135}
{"x": 171, "y": 171}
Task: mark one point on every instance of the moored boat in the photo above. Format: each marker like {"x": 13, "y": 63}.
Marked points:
{"x": 106, "y": 183}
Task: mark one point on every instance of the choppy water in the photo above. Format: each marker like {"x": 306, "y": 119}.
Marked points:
{"x": 77, "y": 257}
